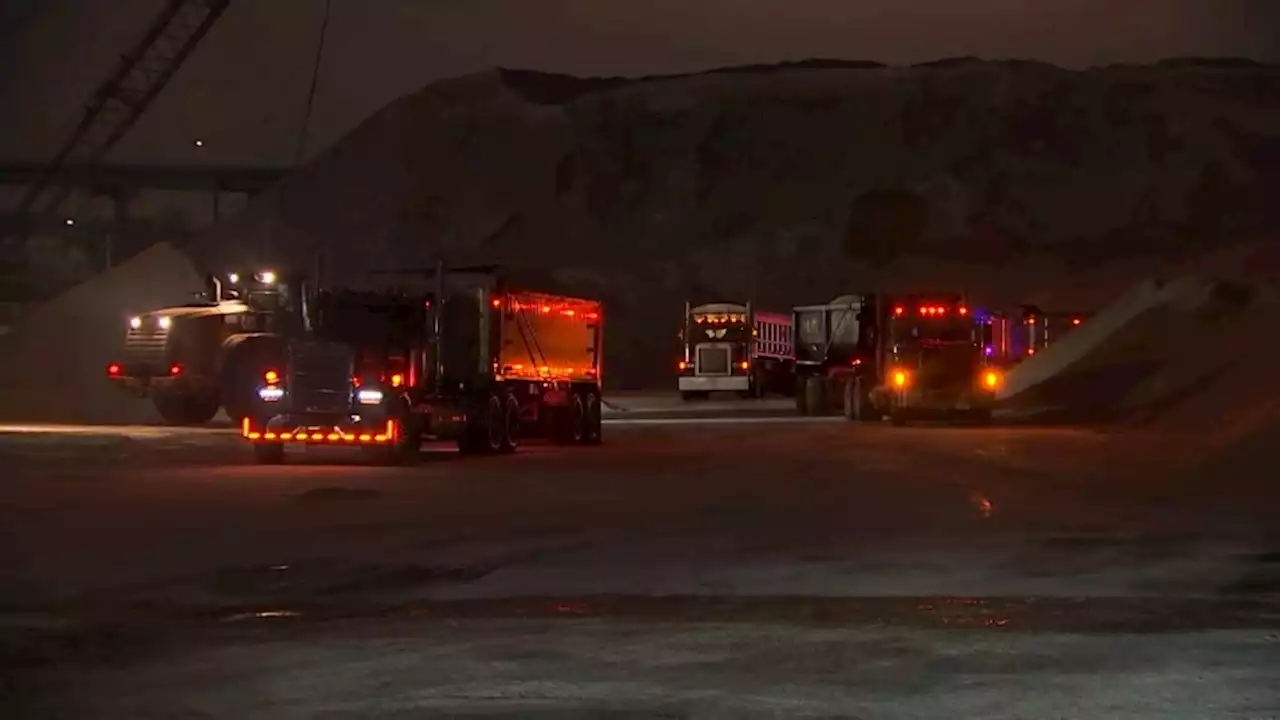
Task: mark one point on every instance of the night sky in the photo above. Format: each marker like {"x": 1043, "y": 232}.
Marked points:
{"x": 244, "y": 90}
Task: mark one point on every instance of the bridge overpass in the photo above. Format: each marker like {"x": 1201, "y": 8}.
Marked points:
{"x": 112, "y": 179}
{"x": 121, "y": 183}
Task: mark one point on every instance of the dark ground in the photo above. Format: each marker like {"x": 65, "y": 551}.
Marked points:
{"x": 689, "y": 567}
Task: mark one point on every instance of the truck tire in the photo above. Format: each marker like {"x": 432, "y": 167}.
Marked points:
{"x": 484, "y": 432}
{"x": 495, "y": 425}
{"x": 243, "y": 366}
{"x": 815, "y": 395}
{"x": 857, "y": 402}
{"x": 593, "y": 418}
{"x": 510, "y": 425}
{"x": 407, "y": 448}
{"x": 185, "y": 409}
{"x": 268, "y": 453}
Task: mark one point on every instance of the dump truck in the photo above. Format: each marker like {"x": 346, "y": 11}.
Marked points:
{"x": 468, "y": 358}
{"x": 906, "y": 357}
{"x": 732, "y": 347}
{"x": 193, "y": 359}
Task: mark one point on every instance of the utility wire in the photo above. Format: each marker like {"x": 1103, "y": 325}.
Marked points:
{"x": 311, "y": 93}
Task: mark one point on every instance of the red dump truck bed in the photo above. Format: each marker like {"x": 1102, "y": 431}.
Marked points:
{"x": 546, "y": 336}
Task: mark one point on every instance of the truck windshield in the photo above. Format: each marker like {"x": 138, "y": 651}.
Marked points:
{"x": 370, "y": 322}
{"x": 937, "y": 330}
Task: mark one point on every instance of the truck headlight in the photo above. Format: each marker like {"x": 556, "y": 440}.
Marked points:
{"x": 135, "y": 322}
{"x": 270, "y": 393}
{"x": 164, "y": 322}
{"x": 369, "y": 397}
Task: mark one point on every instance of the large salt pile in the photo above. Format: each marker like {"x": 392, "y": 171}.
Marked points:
{"x": 1196, "y": 373}
{"x": 53, "y": 363}
{"x": 785, "y": 186}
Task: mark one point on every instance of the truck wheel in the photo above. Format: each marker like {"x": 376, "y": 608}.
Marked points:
{"x": 577, "y": 418}
{"x": 510, "y": 425}
{"x": 849, "y": 406}
{"x": 407, "y": 449}
{"x": 495, "y": 425}
{"x": 592, "y": 420}
{"x": 864, "y": 410}
{"x": 182, "y": 409}
{"x": 268, "y": 453}
{"x": 815, "y": 395}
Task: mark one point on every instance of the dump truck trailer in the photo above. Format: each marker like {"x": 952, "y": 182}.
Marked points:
{"x": 474, "y": 361}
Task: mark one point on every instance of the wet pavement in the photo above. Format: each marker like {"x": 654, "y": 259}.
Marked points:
{"x": 161, "y": 550}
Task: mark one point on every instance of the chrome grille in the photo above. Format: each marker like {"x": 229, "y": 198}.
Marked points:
{"x": 146, "y": 345}
{"x": 712, "y": 361}
{"x": 320, "y": 377}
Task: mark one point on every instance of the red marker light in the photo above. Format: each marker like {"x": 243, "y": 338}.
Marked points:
{"x": 683, "y": 365}
{"x": 271, "y": 376}
{"x": 898, "y": 310}
{"x": 113, "y": 369}
{"x": 175, "y": 369}
{"x": 964, "y": 310}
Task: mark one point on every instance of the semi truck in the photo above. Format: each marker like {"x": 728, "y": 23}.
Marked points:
{"x": 906, "y": 357}
{"x": 193, "y": 359}
{"x": 467, "y": 358}
{"x": 732, "y": 347}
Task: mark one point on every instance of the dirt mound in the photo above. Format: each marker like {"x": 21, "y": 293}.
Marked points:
{"x": 786, "y": 187}
{"x": 53, "y": 363}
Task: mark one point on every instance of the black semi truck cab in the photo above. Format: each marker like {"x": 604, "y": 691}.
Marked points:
{"x": 908, "y": 356}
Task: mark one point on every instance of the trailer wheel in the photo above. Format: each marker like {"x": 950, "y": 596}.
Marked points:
{"x": 801, "y": 396}
{"x": 592, "y": 422}
{"x": 857, "y": 402}
{"x": 268, "y": 453}
{"x": 185, "y": 409}
{"x": 815, "y": 400}
{"x": 577, "y": 419}
{"x": 495, "y": 422}
{"x": 510, "y": 425}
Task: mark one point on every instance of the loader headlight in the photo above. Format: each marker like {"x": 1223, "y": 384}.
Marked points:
{"x": 369, "y": 397}
{"x": 270, "y": 393}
